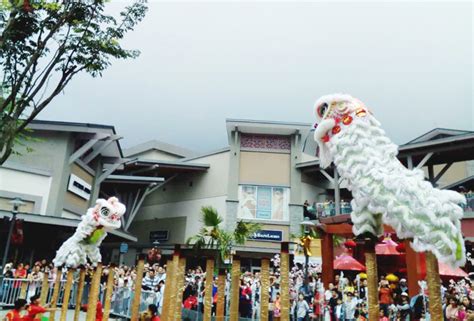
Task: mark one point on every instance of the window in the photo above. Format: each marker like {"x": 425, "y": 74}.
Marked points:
{"x": 263, "y": 202}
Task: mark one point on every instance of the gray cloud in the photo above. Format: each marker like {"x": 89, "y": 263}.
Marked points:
{"x": 207, "y": 61}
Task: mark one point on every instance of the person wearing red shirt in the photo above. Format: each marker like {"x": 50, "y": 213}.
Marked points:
{"x": 35, "y": 309}
{"x": 15, "y": 314}
{"x": 385, "y": 296}
{"x": 191, "y": 302}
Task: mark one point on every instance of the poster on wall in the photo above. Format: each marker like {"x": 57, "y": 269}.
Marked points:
{"x": 263, "y": 202}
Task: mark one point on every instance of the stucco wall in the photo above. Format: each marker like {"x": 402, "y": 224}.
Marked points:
{"x": 176, "y": 227}
{"x": 22, "y": 184}
{"x": 264, "y": 168}
{"x": 195, "y": 186}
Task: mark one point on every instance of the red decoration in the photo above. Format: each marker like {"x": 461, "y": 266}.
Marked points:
{"x": 326, "y": 138}
{"x": 401, "y": 247}
{"x": 347, "y": 120}
{"x": 350, "y": 244}
{"x": 361, "y": 112}
{"x": 154, "y": 255}
{"x": 338, "y": 120}
{"x": 347, "y": 263}
{"x": 17, "y": 235}
{"x": 336, "y": 129}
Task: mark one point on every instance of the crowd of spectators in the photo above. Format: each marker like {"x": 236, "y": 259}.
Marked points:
{"x": 345, "y": 299}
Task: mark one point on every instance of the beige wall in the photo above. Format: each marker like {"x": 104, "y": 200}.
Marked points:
{"x": 6, "y": 206}
{"x": 456, "y": 172}
{"x": 176, "y": 227}
{"x": 264, "y": 168}
{"x": 15, "y": 181}
{"x": 72, "y": 199}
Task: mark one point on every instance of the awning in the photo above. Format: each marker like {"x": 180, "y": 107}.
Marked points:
{"x": 61, "y": 221}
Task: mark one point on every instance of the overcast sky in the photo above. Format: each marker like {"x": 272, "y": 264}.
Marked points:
{"x": 203, "y": 62}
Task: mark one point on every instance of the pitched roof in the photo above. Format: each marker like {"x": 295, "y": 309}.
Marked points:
{"x": 438, "y": 133}
{"x": 161, "y": 146}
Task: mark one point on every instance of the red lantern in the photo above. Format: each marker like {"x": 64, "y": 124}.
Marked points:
{"x": 154, "y": 255}
{"x": 350, "y": 244}
{"x": 401, "y": 247}
{"x": 17, "y": 235}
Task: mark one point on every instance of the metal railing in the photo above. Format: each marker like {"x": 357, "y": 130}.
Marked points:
{"x": 122, "y": 297}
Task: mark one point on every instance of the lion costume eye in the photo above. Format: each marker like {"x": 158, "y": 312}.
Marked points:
{"x": 104, "y": 211}
{"x": 322, "y": 109}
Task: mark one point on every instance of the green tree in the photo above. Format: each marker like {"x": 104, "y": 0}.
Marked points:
{"x": 44, "y": 44}
{"x": 212, "y": 236}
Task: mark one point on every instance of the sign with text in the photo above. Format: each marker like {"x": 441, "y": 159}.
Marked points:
{"x": 123, "y": 248}
{"x": 159, "y": 236}
{"x": 267, "y": 235}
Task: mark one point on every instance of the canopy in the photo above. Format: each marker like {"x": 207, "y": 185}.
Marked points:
{"x": 446, "y": 270}
{"x": 387, "y": 247}
{"x": 347, "y": 263}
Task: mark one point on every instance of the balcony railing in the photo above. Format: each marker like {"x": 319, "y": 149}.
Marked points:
{"x": 328, "y": 209}
{"x": 469, "y": 207}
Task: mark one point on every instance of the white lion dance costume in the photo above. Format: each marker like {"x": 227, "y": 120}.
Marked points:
{"x": 383, "y": 189}
{"x": 91, "y": 231}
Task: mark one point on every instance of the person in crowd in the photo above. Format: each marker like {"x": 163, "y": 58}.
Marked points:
{"x": 16, "y": 313}
{"x": 452, "y": 310}
{"x": 151, "y": 314}
{"x": 245, "y": 300}
{"x": 404, "y": 308}
{"x": 350, "y": 307}
{"x": 383, "y": 317}
{"x": 301, "y": 309}
{"x": 385, "y": 296}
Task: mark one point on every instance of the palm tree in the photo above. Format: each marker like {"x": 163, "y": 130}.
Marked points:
{"x": 212, "y": 236}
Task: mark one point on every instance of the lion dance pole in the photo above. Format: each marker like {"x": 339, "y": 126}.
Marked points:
{"x": 385, "y": 191}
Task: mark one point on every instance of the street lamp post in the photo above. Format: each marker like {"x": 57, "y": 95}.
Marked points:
{"x": 16, "y": 203}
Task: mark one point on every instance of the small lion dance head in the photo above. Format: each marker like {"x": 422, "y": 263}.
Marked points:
{"x": 384, "y": 191}
{"x": 84, "y": 243}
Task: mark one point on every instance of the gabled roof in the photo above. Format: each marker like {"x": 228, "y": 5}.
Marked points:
{"x": 160, "y": 146}
{"x": 438, "y": 133}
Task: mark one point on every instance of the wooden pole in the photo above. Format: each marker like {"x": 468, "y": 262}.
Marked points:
{"x": 137, "y": 293}
{"x": 180, "y": 287}
{"x": 220, "y": 307}
{"x": 372, "y": 280}
{"x": 284, "y": 276}
{"x": 44, "y": 291}
{"x": 434, "y": 286}
{"x": 327, "y": 259}
{"x": 208, "y": 289}
{"x": 235, "y": 289}
{"x": 79, "y": 294}
{"x": 109, "y": 292}
{"x": 265, "y": 285}
{"x": 166, "y": 292}
{"x": 94, "y": 294}
{"x": 24, "y": 286}
{"x": 67, "y": 294}
{"x": 174, "y": 284}
{"x": 54, "y": 298}
{"x": 413, "y": 268}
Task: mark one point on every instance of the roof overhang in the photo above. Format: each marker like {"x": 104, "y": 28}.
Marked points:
{"x": 61, "y": 221}
{"x": 159, "y": 169}
{"x": 125, "y": 179}
{"x": 266, "y": 127}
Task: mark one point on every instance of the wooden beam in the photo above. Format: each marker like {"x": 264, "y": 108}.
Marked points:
{"x": 424, "y": 160}
{"x": 442, "y": 172}
{"x": 343, "y": 228}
